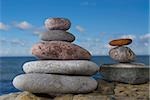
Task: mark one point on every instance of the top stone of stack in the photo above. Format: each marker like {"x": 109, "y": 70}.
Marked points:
{"x": 57, "y": 24}
{"x": 120, "y": 42}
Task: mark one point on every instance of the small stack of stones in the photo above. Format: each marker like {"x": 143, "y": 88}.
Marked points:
{"x": 126, "y": 71}
{"x": 63, "y": 67}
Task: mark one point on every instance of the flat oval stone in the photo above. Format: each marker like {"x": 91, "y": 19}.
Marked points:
{"x": 132, "y": 73}
{"x": 122, "y": 54}
{"x": 50, "y": 83}
{"x": 120, "y": 42}
{"x": 60, "y": 50}
{"x": 73, "y": 67}
{"x": 57, "y": 35}
{"x": 57, "y": 23}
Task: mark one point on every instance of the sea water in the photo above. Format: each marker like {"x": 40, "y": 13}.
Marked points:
{"x": 12, "y": 66}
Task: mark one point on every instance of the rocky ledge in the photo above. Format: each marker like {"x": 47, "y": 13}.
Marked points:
{"x": 131, "y": 73}
{"x": 105, "y": 91}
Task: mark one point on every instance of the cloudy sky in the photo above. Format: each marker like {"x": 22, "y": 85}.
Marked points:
{"x": 94, "y": 23}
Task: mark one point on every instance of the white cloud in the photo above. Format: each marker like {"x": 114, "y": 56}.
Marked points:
{"x": 12, "y": 42}
{"x": 3, "y": 26}
{"x": 17, "y": 42}
{"x": 146, "y": 44}
{"x": 36, "y": 32}
{"x": 146, "y": 36}
{"x": 80, "y": 28}
{"x": 16, "y": 52}
{"x": 39, "y": 30}
{"x": 14, "y": 47}
{"x": 93, "y": 45}
{"x": 3, "y": 40}
{"x": 144, "y": 39}
{"x": 24, "y": 25}
{"x": 4, "y": 51}
{"x": 129, "y": 36}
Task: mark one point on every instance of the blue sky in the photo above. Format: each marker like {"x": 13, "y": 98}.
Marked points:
{"x": 94, "y": 23}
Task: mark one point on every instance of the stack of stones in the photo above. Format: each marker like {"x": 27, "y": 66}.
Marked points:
{"x": 126, "y": 71}
{"x": 63, "y": 67}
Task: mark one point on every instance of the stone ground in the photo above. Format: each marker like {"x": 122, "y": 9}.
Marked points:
{"x": 105, "y": 91}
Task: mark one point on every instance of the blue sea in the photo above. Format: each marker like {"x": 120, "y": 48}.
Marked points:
{"x": 12, "y": 66}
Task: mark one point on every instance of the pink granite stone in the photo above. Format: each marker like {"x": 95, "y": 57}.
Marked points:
{"x": 60, "y": 50}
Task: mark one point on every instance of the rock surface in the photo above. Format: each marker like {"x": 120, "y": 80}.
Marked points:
{"x": 57, "y": 24}
{"x": 122, "y": 54}
{"x": 127, "y": 90}
{"x": 106, "y": 88}
{"x": 126, "y": 73}
{"x": 49, "y": 83}
{"x": 73, "y": 67}
{"x": 92, "y": 96}
{"x": 11, "y": 96}
{"x": 120, "y": 42}
{"x": 65, "y": 97}
{"x": 23, "y": 96}
{"x": 60, "y": 50}
{"x": 29, "y": 96}
{"x": 57, "y": 35}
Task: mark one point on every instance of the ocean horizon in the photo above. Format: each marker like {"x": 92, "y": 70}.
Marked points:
{"x": 11, "y": 66}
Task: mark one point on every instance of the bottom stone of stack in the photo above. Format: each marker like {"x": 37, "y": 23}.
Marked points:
{"x": 120, "y": 91}
{"x": 50, "y": 83}
{"x": 132, "y": 73}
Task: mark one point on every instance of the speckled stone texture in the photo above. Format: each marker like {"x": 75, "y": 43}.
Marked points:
{"x": 57, "y": 35}
{"x": 71, "y": 67}
{"x": 57, "y": 24}
{"x": 23, "y": 96}
{"x": 141, "y": 92}
{"x": 125, "y": 73}
{"x": 105, "y": 87}
{"x": 120, "y": 42}
{"x": 60, "y": 50}
{"x": 122, "y": 54}
{"x": 49, "y": 83}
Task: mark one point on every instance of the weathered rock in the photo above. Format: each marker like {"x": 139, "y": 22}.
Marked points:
{"x": 50, "y": 83}
{"x": 23, "y": 96}
{"x": 73, "y": 67}
{"x": 11, "y": 96}
{"x": 141, "y": 92}
{"x": 91, "y": 96}
{"x": 120, "y": 42}
{"x": 27, "y": 96}
{"x": 60, "y": 50}
{"x": 122, "y": 54}
{"x": 105, "y": 87}
{"x": 57, "y": 24}
{"x": 129, "y": 98}
{"x": 125, "y": 72}
{"x": 57, "y": 35}
{"x": 64, "y": 97}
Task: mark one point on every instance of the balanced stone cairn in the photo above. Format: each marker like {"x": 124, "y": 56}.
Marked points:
{"x": 126, "y": 71}
{"x": 63, "y": 67}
